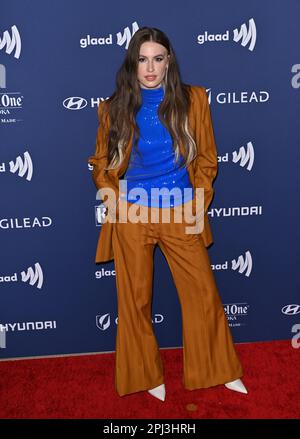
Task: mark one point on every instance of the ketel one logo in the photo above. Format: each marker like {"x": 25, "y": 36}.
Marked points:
{"x": 75, "y": 103}
{"x": 11, "y": 42}
{"x": 33, "y": 276}
{"x": 127, "y": 35}
{"x": 291, "y": 310}
{"x": 103, "y": 322}
{"x": 244, "y": 156}
{"x": 23, "y": 167}
{"x": 243, "y": 265}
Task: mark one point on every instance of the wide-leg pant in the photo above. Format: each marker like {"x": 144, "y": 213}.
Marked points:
{"x": 209, "y": 355}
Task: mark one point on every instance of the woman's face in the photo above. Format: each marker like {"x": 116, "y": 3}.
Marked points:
{"x": 152, "y": 64}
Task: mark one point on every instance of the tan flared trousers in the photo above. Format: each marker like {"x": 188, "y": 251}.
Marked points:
{"x": 209, "y": 355}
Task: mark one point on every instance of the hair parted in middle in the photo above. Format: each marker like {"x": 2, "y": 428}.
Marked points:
{"x": 124, "y": 103}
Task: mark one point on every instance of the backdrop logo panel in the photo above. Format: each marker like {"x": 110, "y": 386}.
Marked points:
{"x": 242, "y": 264}
{"x": 10, "y": 42}
{"x": 121, "y": 38}
{"x": 31, "y": 275}
{"x": 235, "y": 211}
{"x": 244, "y": 157}
{"x": 54, "y": 72}
{"x": 236, "y": 313}
{"x": 291, "y": 310}
{"x": 244, "y": 35}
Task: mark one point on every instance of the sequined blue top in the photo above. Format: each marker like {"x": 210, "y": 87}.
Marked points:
{"x": 153, "y": 179}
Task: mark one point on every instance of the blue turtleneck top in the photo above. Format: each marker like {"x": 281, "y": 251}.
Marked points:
{"x": 155, "y": 167}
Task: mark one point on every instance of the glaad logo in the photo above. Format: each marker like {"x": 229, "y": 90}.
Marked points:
{"x": 246, "y": 35}
{"x": 34, "y": 276}
{"x": 127, "y": 35}
{"x": 243, "y": 157}
{"x": 11, "y": 42}
{"x": 296, "y": 78}
{"x": 241, "y": 264}
{"x": 101, "y": 273}
{"x": 121, "y": 38}
{"x": 75, "y": 103}
{"x": 291, "y": 310}
{"x": 244, "y": 265}
{"x": 23, "y": 167}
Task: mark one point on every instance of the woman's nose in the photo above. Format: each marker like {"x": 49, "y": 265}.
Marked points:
{"x": 150, "y": 67}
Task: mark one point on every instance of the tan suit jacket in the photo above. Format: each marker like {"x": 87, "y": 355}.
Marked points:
{"x": 202, "y": 170}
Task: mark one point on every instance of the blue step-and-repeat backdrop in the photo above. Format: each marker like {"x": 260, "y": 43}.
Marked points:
{"x": 58, "y": 60}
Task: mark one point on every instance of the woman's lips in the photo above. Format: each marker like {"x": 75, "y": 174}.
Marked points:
{"x": 150, "y": 78}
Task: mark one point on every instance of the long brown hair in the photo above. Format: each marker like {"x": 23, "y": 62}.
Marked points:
{"x": 125, "y": 102}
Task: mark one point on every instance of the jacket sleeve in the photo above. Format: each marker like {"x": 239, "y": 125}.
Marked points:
{"x": 206, "y": 164}
{"x": 100, "y": 159}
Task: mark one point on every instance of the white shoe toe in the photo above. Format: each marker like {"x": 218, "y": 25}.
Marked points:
{"x": 237, "y": 386}
{"x": 159, "y": 392}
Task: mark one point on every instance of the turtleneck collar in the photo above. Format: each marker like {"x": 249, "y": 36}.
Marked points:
{"x": 152, "y": 94}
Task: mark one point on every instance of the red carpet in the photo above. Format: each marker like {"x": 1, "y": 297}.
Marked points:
{"x": 83, "y": 387}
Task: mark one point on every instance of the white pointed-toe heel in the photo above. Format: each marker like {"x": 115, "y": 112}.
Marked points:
{"x": 237, "y": 386}
{"x": 159, "y": 392}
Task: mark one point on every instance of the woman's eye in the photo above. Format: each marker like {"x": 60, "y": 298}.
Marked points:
{"x": 159, "y": 59}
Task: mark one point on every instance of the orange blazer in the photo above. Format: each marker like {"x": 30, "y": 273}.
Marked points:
{"x": 202, "y": 170}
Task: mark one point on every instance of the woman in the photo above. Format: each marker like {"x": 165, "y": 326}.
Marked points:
{"x": 156, "y": 132}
